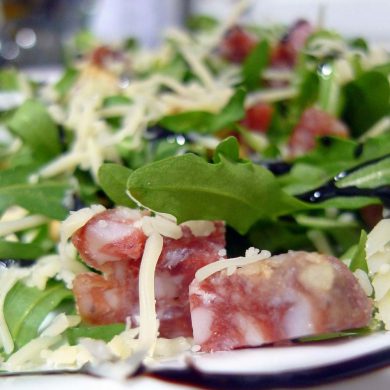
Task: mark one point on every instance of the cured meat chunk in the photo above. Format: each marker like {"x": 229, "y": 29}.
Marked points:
{"x": 286, "y": 52}
{"x": 113, "y": 243}
{"x": 284, "y": 297}
{"x": 312, "y": 124}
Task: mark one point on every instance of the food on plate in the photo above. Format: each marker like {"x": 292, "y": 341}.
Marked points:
{"x": 280, "y": 298}
{"x": 113, "y": 242}
{"x": 136, "y": 183}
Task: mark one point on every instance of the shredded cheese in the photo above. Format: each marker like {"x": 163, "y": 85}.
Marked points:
{"x": 252, "y": 255}
{"x": 378, "y": 261}
{"x": 17, "y": 225}
{"x": 148, "y": 329}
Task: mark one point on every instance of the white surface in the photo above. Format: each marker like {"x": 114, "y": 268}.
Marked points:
{"x": 273, "y": 360}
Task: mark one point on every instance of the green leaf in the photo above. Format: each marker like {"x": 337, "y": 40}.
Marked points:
{"x": 367, "y": 99}
{"x": 67, "y": 81}
{"x": 17, "y": 175}
{"x": 42, "y": 198}
{"x": 229, "y": 148}
{"x": 9, "y": 80}
{"x": 202, "y": 23}
{"x": 116, "y": 100}
{"x": 255, "y": 64}
{"x": 373, "y": 175}
{"x": 206, "y": 122}
{"x": 359, "y": 258}
{"x": 101, "y": 332}
{"x": 25, "y": 308}
{"x": 20, "y": 251}
{"x": 32, "y": 123}
{"x": 308, "y": 90}
{"x": 113, "y": 179}
{"x": 336, "y": 335}
{"x": 329, "y": 99}
{"x": 190, "y": 188}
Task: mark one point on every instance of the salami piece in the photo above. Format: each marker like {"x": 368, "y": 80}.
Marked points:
{"x": 284, "y": 297}
{"x": 112, "y": 242}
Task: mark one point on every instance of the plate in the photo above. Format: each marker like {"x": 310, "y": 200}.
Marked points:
{"x": 357, "y": 363}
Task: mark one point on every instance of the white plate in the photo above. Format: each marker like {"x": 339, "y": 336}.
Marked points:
{"x": 358, "y": 363}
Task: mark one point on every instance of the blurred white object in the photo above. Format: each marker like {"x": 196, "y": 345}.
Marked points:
{"x": 114, "y": 20}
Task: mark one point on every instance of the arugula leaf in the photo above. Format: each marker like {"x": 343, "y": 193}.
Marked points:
{"x": 190, "y": 188}
{"x": 372, "y": 175}
{"x": 279, "y": 235}
{"x": 336, "y": 335}
{"x": 255, "y": 64}
{"x": 113, "y": 179}
{"x": 101, "y": 332}
{"x": 201, "y": 23}
{"x": 33, "y": 124}
{"x": 9, "y": 80}
{"x": 17, "y": 175}
{"x": 330, "y": 97}
{"x": 67, "y": 81}
{"x": 229, "y": 148}
{"x": 313, "y": 169}
{"x": 21, "y": 251}
{"x": 206, "y": 122}
{"x": 42, "y": 198}
{"x": 25, "y": 308}
{"x": 367, "y": 99}
{"x": 359, "y": 258}
{"x": 115, "y": 100}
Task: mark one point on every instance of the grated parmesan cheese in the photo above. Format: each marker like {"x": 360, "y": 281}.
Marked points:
{"x": 378, "y": 261}
{"x": 252, "y": 255}
{"x": 200, "y": 228}
{"x": 148, "y": 328}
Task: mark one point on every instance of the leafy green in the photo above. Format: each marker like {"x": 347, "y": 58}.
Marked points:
{"x": 276, "y": 236}
{"x": 65, "y": 83}
{"x": 9, "y": 80}
{"x": 229, "y": 148}
{"x": 115, "y": 100}
{"x": 312, "y": 169}
{"x": 202, "y": 23}
{"x": 100, "y": 332}
{"x": 367, "y": 99}
{"x": 113, "y": 179}
{"x": 254, "y": 65}
{"x": 329, "y": 97}
{"x": 359, "y": 258}
{"x": 336, "y": 335}
{"x": 21, "y": 250}
{"x": 41, "y": 198}
{"x": 190, "y": 188}
{"x": 26, "y": 307}
{"x": 206, "y": 122}
{"x": 373, "y": 175}
{"x": 33, "y": 124}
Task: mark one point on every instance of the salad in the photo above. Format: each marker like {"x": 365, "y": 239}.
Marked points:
{"x": 136, "y": 189}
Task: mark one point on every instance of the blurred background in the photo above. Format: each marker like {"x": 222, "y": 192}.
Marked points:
{"x": 39, "y": 32}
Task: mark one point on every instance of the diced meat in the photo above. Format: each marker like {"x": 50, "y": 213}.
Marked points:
{"x": 258, "y": 117}
{"x": 285, "y": 54}
{"x": 237, "y": 44}
{"x": 112, "y": 243}
{"x": 104, "y": 54}
{"x": 312, "y": 124}
{"x": 284, "y": 297}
